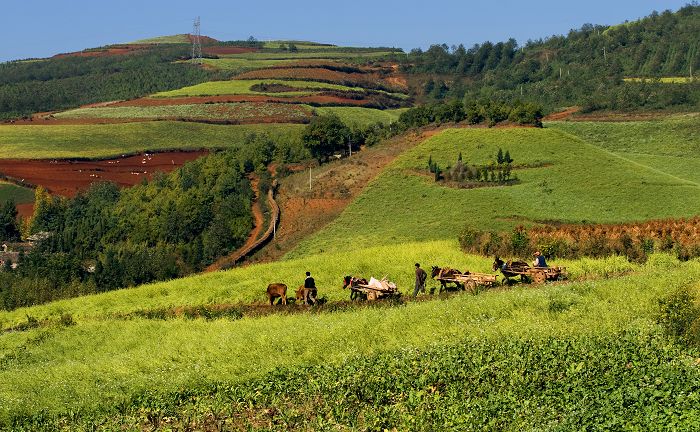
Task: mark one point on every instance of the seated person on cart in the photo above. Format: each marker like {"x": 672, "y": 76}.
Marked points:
{"x": 539, "y": 260}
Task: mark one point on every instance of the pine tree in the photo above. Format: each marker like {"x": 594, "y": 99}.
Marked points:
{"x": 499, "y": 157}
{"x": 507, "y": 157}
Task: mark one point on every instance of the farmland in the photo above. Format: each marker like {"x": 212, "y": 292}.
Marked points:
{"x": 361, "y": 116}
{"x": 100, "y": 141}
{"x": 164, "y": 356}
{"x": 250, "y": 112}
{"x": 576, "y": 181}
{"x": 243, "y": 87}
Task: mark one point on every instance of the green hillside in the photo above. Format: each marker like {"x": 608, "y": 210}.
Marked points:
{"x": 100, "y": 141}
{"x": 575, "y": 180}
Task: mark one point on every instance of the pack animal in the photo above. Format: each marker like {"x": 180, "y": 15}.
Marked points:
{"x": 275, "y": 291}
{"x": 446, "y": 272}
{"x": 510, "y": 269}
{"x": 352, "y": 282}
{"x": 307, "y": 295}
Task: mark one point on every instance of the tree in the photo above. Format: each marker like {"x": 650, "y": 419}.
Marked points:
{"x": 325, "y": 135}
{"x": 499, "y": 156}
{"x": 9, "y": 229}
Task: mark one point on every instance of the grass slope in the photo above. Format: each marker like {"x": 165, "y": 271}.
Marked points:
{"x": 580, "y": 182}
{"x": 17, "y": 194}
{"x": 101, "y": 362}
{"x": 359, "y": 116}
{"x": 100, "y": 141}
{"x": 670, "y": 145}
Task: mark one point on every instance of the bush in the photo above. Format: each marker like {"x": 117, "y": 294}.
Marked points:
{"x": 679, "y": 315}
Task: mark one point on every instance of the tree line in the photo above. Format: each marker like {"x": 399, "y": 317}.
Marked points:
{"x": 106, "y": 238}
{"x": 586, "y": 67}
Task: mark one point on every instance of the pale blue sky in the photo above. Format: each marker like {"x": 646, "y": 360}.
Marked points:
{"x": 42, "y": 28}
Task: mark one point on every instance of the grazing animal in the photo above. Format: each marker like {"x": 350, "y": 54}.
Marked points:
{"x": 351, "y": 282}
{"x": 508, "y": 268}
{"x": 446, "y": 272}
{"x": 277, "y": 290}
{"x": 308, "y": 295}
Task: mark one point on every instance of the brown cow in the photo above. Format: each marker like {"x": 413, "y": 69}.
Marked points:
{"x": 276, "y": 290}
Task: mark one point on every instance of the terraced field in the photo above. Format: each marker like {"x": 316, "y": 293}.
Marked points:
{"x": 243, "y": 87}
{"x": 361, "y": 116}
{"x": 250, "y": 112}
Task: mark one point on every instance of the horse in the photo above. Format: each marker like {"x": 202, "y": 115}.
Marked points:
{"x": 308, "y": 295}
{"x": 510, "y": 269}
{"x": 276, "y": 290}
{"x": 446, "y": 272}
{"x": 352, "y": 282}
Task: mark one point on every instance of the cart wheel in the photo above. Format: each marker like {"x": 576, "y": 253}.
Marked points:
{"x": 539, "y": 278}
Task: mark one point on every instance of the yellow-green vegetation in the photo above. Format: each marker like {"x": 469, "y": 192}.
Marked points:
{"x": 236, "y": 64}
{"x": 243, "y": 87}
{"x": 91, "y": 359}
{"x": 172, "y": 39}
{"x": 17, "y": 194}
{"x": 301, "y": 45}
{"x": 574, "y": 181}
{"x": 670, "y": 145}
{"x": 330, "y": 54}
{"x": 216, "y": 111}
{"x": 666, "y": 80}
{"x": 359, "y": 116}
{"x": 99, "y": 141}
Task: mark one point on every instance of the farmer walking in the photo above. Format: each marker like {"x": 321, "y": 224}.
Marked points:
{"x": 421, "y": 276}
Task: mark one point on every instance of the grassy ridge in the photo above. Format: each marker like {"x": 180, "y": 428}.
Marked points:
{"x": 359, "y": 116}
{"x": 100, "y": 141}
{"x": 100, "y": 361}
{"x": 578, "y": 182}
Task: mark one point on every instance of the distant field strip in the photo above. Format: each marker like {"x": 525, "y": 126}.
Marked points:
{"x": 286, "y": 113}
{"x": 665, "y": 80}
{"x": 243, "y": 87}
{"x": 17, "y": 194}
{"x": 99, "y": 141}
{"x": 359, "y": 116}
{"x": 308, "y": 55}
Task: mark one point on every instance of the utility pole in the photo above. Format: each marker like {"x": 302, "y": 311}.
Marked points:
{"x": 559, "y": 73}
{"x": 196, "y": 42}
{"x": 605, "y": 54}
{"x": 350, "y": 148}
{"x": 309, "y": 179}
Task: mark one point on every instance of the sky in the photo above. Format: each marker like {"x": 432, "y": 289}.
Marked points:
{"x": 43, "y": 28}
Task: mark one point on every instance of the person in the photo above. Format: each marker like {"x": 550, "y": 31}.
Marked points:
{"x": 539, "y": 260}
{"x": 421, "y": 276}
{"x": 310, "y": 291}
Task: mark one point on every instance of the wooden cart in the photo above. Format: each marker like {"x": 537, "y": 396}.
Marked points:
{"x": 537, "y": 275}
{"x": 471, "y": 281}
{"x": 372, "y": 292}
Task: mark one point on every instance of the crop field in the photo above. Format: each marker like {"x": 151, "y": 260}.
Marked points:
{"x": 17, "y": 194}
{"x": 101, "y": 141}
{"x": 325, "y": 55}
{"x": 357, "y": 79}
{"x": 576, "y": 182}
{"x": 243, "y": 87}
{"x": 237, "y": 65}
{"x": 250, "y": 112}
{"x": 670, "y": 145}
{"x": 56, "y": 368}
{"x": 301, "y": 45}
{"x": 359, "y": 116}
{"x": 172, "y": 39}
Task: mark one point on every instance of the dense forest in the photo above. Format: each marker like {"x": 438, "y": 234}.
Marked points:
{"x": 58, "y": 83}
{"x": 107, "y": 238}
{"x": 585, "y": 67}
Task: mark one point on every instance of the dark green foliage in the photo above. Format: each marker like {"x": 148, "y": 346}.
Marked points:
{"x": 619, "y": 382}
{"x": 9, "y": 228}
{"x": 67, "y": 82}
{"x": 325, "y": 136}
{"x": 172, "y": 226}
{"x": 679, "y": 315}
{"x": 583, "y": 68}
{"x": 497, "y": 172}
{"x": 474, "y": 112}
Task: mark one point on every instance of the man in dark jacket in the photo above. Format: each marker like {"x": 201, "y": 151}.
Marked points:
{"x": 310, "y": 291}
{"x": 421, "y": 276}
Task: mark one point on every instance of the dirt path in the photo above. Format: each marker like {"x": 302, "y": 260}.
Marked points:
{"x": 258, "y": 222}
{"x": 562, "y": 115}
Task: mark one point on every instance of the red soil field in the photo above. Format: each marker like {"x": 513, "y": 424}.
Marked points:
{"x": 67, "y": 177}
{"x": 117, "y": 50}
